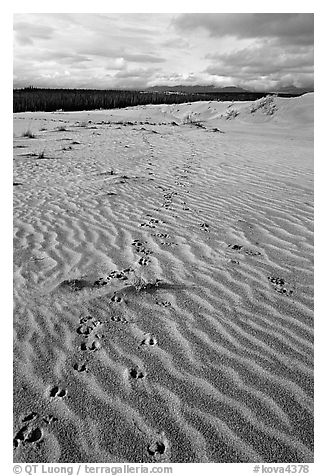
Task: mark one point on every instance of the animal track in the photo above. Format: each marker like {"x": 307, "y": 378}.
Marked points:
{"x": 75, "y": 285}
{"x": 205, "y": 227}
{"x": 235, "y": 247}
{"x": 84, "y": 330}
{"x": 144, "y": 261}
{"x": 119, "y": 319}
{"x": 20, "y": 436}
{"x": 136, "y": 374}
{"x": 80, "y": 367}
{"x": 151, "y": 223}
{"x": 27, "y": 435}
{"x": 140, "y": 248}
{"x": 58, "y": 392}
{"x": 31, "y": 432}
{"x": 252, "y": 253}
{"x": 30, "y": 417}
{"x": 34, "y": 435}
{"x": 121, "y": 275}
{"x": 149, "y": 340}
{"x": 168, "y": 199}
{"x": 88, "y": 324}
{"x": 163, "y": 303}
{"x": 280, "y": 285}
{"x": 50, "y": 419}
{"x": 92, "y": 348}
{"x": 116, "y": 298}
{"x": 246, "y": 251}
{"x": 157, "y": 447}
{"x": 161, "y": 235}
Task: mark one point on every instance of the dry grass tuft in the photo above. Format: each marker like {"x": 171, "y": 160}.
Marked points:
{"x": 28, "y": 133}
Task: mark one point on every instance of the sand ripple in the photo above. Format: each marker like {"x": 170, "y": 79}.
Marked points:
{"x": 163, "y": 291}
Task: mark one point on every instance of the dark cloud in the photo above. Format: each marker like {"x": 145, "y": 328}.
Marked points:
{"x": 276, "y": 65}
{"x": 262, "y": 60}
{"x": 294, "y": 28}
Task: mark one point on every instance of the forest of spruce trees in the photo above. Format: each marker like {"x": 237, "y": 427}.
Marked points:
{"x": 37, "y": 99}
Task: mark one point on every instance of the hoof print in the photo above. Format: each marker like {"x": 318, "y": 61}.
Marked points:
{"x": 157, "y": 448}
{"x": 34, "y": 435}
{"x": 280, "y": 285}
{"x": 84, "y": 330}
{"x": 252, "y": 253}
{"x": 204, "y": 226}
{"x": 149, "y": 340}
{"x": 140, "y": 248}
{"x": 116, "y": 298}
{"x": 85, "y": 319}
{"x": 118, "y": 319}
{"x": 150, "y": 223}
{"x": 136, "y": 374}
{"x": 20, "y": 437}
{"x": 92, "y": 348}
{"x": 25, "y": 435}
{"x": 163, "y": 303}
{"x": 235, "y": 247}
{"x": 100, "y": 282}
{"x": 161, "y": 235}
{"x": 80, "y": 367}
{"x": 143, "y": 261}
{"x": 246, "y": 251}
{"x": 57, "y": 392}
{"x": 50, "y": 419}
{"x": 30, "y": 417}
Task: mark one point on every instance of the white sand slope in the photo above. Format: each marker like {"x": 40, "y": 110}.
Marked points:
{"x": 163, "y": 280}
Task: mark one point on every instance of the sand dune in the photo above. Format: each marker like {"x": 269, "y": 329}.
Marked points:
{"x": 163, "y": 284}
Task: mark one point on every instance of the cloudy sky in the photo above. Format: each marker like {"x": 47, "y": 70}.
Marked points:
{"x": 257, "y": 51}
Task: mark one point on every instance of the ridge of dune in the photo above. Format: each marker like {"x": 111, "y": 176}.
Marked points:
{"x": 163, "y": 284}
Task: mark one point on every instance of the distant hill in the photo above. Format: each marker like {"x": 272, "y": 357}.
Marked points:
{"x": 293, "y": 90}
{"x": 196, "y": 89}
{"x": 181, "y": 89}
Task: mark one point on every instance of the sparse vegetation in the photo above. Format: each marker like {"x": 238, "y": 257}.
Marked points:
{"x": 266, "y": 105}
{"x": 28, "y": 133}
{"x": 231, "y": 114}
{"x": 192, "y": 121}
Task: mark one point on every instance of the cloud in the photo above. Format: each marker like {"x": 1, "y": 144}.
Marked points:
{"x": 138, "y": 50}
{"x": 142, "y": 58}
{"x": 27, "y": 32}
{"x": 176, "y": 42}
{"x": 262, "y": 60}
{"x": 296, "y": 28}
{"x": 274, "y": 65}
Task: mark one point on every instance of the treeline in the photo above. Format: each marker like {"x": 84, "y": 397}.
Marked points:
{"x": 35, "y": 99}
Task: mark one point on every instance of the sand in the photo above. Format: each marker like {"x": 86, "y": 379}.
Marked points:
{"x": 163, "y": 284}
